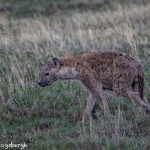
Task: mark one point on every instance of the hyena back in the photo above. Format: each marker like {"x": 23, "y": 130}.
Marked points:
{"x": 99, "y": 71}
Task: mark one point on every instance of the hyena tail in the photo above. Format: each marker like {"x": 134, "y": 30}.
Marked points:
{"x": 141, "y": 85}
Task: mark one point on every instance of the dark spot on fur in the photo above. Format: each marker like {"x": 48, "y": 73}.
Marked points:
{"x": 120, "y": 76}
{"x": 92, "y": 66}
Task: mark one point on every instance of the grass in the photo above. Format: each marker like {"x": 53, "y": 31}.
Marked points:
{"x": 48, "y": 118}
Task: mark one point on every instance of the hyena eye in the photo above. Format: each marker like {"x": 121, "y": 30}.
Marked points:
{"x": 47, "y": 74}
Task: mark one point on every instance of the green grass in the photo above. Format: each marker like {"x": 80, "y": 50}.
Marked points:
{"x": 49, "y": 118}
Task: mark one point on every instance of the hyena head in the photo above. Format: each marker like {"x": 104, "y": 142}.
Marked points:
{"x": 49, "y": 72}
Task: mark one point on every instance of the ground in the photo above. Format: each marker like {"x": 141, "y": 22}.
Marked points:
{"x": 31, "y": 32}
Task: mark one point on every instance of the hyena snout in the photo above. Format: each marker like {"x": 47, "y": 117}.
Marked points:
{"x": 47, "y": 81}
{"x": 43, "y": 83}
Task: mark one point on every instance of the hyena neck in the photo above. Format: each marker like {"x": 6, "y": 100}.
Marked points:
{"x": 68, "y": 61}
{"x": 67, "y": 68}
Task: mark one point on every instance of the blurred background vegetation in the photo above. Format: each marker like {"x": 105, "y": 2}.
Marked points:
{"x": 33, "y": 31}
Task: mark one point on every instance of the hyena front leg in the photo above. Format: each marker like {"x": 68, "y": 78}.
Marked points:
{"x": 89, "y": 107}
{"x": 98, "y": 92}
{"x": 103, "y": 104}
{"x": 96, "y": 89}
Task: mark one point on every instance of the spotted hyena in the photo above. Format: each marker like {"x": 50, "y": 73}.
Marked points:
{"x": 99, "y": 71}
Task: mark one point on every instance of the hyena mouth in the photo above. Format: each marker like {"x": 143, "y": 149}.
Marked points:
{"x": 42, "y": 85}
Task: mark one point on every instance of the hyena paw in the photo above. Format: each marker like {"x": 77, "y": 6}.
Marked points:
{"x": 148, "y": 109}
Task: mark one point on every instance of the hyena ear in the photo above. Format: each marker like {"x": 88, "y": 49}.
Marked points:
{"x": 56, "y": 62}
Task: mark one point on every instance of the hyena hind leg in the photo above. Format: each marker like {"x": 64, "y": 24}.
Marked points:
{"x": 142, "y": 103}
{"x": 145, "y": 100}
{"x": 122, "y": 90}
{"x": 135, "y": 87}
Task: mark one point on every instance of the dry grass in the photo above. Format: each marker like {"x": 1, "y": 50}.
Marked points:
{"x": 27, "y": 111}
{"x": 118, "y": 30}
